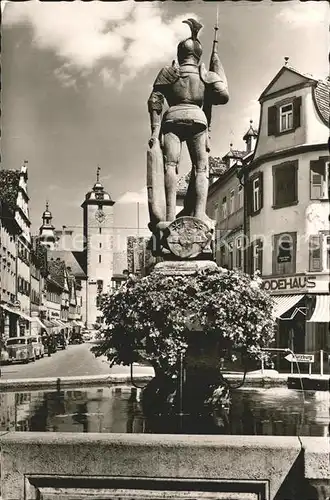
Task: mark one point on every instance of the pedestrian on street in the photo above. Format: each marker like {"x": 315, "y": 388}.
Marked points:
{"x": 49, "y": 345}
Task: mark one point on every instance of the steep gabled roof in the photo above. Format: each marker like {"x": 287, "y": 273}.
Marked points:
{"x": 57, "y": 272}
{"x": 70, "y": 259}
{"x": 235, "y": 153}
{"x": 304, "y": 77}
{"x": 321, "y": 99}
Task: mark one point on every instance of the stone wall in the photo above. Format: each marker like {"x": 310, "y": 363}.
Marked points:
{"x": 64, "y": 466}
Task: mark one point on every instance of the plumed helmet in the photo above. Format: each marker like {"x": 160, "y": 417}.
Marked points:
{"x": 191, "y": 46}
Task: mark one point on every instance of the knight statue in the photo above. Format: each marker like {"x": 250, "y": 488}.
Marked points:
{"x": 189, "y": 90}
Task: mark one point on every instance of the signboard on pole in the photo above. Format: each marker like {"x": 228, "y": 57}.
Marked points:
{"x": 300, "y": 358}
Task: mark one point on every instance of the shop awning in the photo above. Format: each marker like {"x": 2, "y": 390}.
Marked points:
{"x": 282, "y": 303}
{"x": 16, "y": 311}
{"x": 35, "y": 319}
{"x": 57, "y": 323}
{"x": 47, "y": 323}
{"x": 321, "y": 312}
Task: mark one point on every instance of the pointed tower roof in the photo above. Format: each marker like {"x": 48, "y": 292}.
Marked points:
{"x": 98, "y": 194}
{"x": 47, "y": 230}
{"x": 47, "y": 215}
{"x": 252, "y": 132}
{"x": 234, "y": 153}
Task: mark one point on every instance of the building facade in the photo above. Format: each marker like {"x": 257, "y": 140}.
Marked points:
{"x": 226, "y": 205}
{"x": 9, "y": 231}
{"x": 98, "y": 248}
{"x": 17, "y": 317}
{"x": 288, "y": 207}
{"x": 139, "y": 255}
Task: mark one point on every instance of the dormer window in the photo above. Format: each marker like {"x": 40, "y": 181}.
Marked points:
{"x": 286, "y": 117}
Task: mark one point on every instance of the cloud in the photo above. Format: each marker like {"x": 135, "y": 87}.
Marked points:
{"x": 304, "y": 14}
{"x": 134, "y": 197}
{"x": 85, "y": 35}
{"x": 251, "y": 112}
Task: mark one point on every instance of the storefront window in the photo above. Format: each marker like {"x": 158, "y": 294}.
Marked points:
{"x": 284, "y": 253}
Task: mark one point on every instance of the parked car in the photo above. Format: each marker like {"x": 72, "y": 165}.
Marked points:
{"x": 86, "y": 335}
{"x": 76, "y": 338}
{"x": 20, "y": 349}
{"x": 38, "y": 346}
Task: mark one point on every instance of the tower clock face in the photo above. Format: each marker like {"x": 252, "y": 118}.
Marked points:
{"x": 100, "y": 216}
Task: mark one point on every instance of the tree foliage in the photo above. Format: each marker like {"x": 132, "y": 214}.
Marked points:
{"x": 151, "y": 317}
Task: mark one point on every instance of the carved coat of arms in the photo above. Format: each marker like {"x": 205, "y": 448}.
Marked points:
{"x": 188, "y": 237}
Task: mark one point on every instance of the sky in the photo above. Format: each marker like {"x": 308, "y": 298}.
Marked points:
{"x": 76, "y": 77}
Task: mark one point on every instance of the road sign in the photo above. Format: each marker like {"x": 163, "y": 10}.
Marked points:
{"x": 300, "y": 358}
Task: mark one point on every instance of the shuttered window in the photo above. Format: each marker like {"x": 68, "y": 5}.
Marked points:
{"x": 285, "y": 184}
{"x": 319, "y": 179}
{"x": 284, "y": 117}
{"x": 315, "y": 253}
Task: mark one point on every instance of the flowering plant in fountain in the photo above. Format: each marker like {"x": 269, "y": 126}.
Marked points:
{"x": 150, "y": 317}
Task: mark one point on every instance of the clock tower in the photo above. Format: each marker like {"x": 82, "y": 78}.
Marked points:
{"x": 98, "y": 247}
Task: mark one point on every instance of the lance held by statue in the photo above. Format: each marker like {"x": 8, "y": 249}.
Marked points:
{"x": 190, "y": 91}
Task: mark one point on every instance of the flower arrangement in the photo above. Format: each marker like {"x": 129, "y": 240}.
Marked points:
{"x": 151, "y": 317}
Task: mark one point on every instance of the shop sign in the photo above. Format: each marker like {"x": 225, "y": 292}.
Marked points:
{"x": 289, "y": 283}
{"x": 300, "y": 358}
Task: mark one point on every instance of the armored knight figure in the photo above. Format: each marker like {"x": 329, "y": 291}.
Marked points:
{"x": 190, "y": 91}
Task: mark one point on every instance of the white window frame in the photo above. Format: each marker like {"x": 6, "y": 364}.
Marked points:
{"x": 256, "y": 194}
{"x": 286, "y": 117}
{"x": 232, "y": 201}
{"x": 240, "y": 196}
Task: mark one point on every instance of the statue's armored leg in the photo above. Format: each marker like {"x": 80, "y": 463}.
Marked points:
{"x": 172, "y": 152}
{"x": 199, "y": 158}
